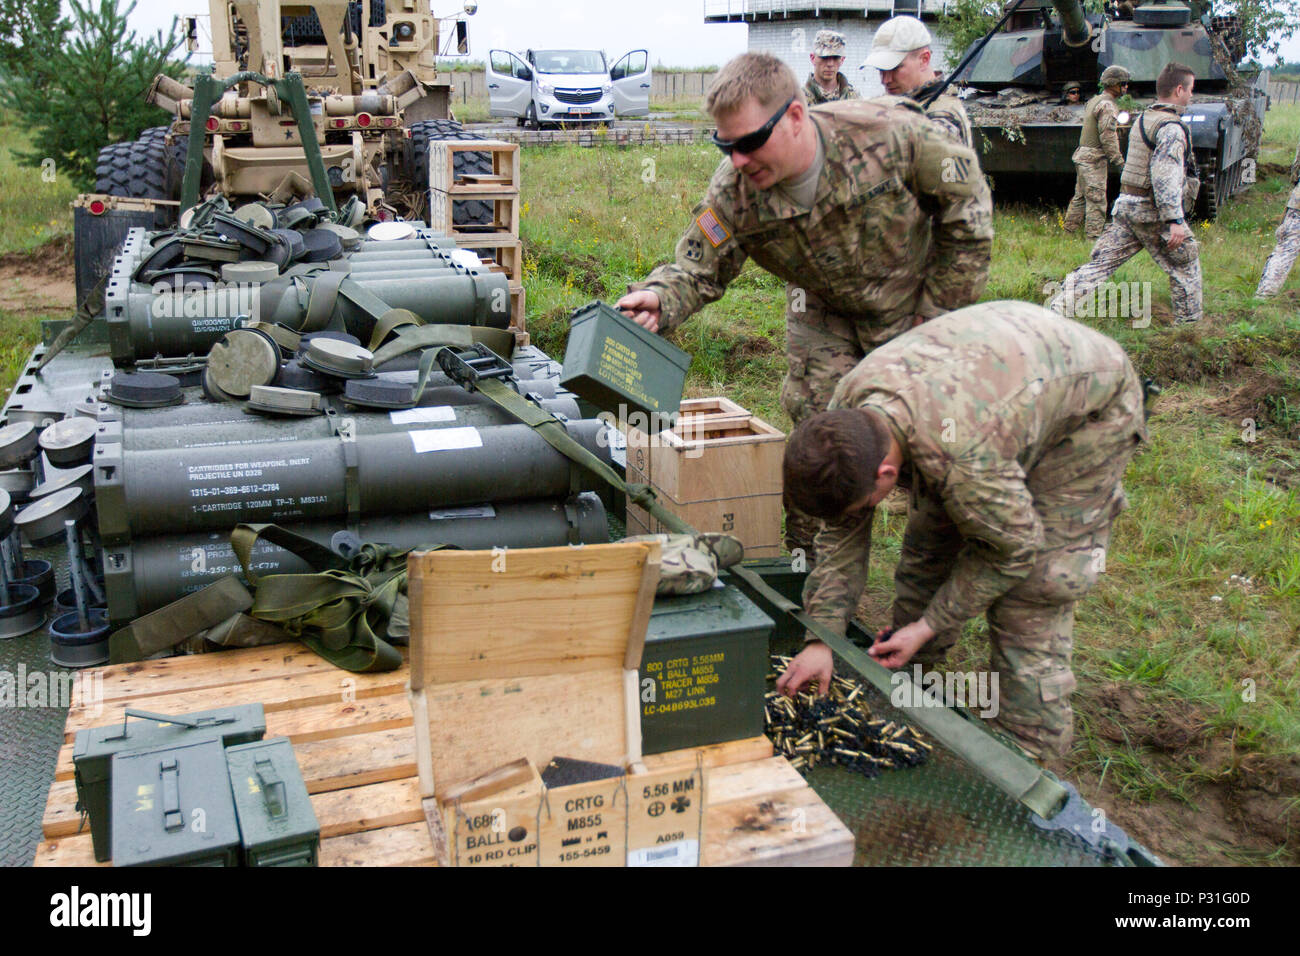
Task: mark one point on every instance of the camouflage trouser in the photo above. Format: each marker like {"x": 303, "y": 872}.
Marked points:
{"x": 1089, "y": 195}
{"x": 1123, "y": 239}
{"x": 1278, "y": 266}
{"x": 1031, "y": 626}
{"x": 821, "y": 348}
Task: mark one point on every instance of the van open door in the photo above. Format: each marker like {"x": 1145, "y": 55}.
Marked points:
{"x": 510, "y": 84}
{"x": 631, "y": 78}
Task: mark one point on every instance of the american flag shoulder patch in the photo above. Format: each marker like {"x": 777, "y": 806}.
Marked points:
{"x": 713, "y": 230}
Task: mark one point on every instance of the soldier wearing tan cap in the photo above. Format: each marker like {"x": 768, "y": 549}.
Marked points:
{"x": 826, "y": 83}
{"x": 901, "y": 52}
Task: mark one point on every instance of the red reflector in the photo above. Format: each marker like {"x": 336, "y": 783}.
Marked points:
{"x": 236, "y": 125}
{"x": 212, "y": 124}
{"x": 340, "y": 123}
{"x": 97, "y": 207}
{"x": 390, "y": 121}
{"x": 382, "y": 215}
{"x": 363, "y": 120}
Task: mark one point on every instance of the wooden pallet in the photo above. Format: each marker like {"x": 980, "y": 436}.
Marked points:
{"x": 354, "y": 739}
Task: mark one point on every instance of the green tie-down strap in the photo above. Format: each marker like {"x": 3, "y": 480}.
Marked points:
{"x": 345, "y": 610}
{"x": 1014, "y": 774}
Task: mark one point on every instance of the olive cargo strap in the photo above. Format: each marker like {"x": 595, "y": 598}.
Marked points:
{"x": 1013, "y": 774}
{"x": 413, "y": 337}
{"x": 343, "y": 609}
{"x": 170, "y": 625}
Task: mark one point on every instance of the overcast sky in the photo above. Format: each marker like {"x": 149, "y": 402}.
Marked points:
{"x": 673, "y": 31}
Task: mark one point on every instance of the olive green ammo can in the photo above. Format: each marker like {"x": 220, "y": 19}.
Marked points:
{"x": 705, "y": 665}
{"x": 172, "y": 807}
{"x": 94, "y": 750}
{"x": 622, "y": 369}
{"x": 277, "y": 824}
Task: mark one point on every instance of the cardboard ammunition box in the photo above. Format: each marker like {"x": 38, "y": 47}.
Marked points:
{"x": 172, "y": 807}
{"x": 706, "y": 656}
{"x": 93, "y": 752}
{"x": 277, "y": 824}
{"x": 622, "y": 369}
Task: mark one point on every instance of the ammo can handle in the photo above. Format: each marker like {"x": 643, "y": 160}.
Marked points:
{"x": 170, "y": 772}
{"x": 272, "y": 787}
{"x": 189, "y": 722}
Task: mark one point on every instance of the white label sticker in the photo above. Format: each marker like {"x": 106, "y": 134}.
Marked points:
{"x": 445, "y": 439}
{"x": 431, "y": 413}
{"x": 466, "y": 258}
{"x": 470, "y": 511}
{"x": 679, "y": 853}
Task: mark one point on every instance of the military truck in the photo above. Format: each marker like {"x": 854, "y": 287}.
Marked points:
{"x": 1016, "y": 75}
{"x": 375, "y": 97}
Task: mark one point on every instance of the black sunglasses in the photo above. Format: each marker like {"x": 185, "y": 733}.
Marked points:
{"x": 751, "y": 142}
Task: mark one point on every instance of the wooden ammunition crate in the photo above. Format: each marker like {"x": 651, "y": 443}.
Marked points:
{"x": 499, "y": 187}
{"x": 718, "y": 468}
{"x": 507, "y": 252}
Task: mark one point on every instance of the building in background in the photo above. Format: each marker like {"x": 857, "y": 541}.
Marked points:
{"x": 785, "y": 28}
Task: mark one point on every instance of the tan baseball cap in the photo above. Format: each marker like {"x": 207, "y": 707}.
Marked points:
{"x": 894, "y": 40}
{"x": 828, "y": 43}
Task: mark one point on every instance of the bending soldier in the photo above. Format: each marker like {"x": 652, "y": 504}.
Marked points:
{"x": 875, "y": 220}
{"x": 1278, "y": 266}
{"x": 1011, "y": 428}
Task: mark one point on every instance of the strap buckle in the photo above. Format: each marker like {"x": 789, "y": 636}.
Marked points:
{"x": 1091, "y": 826}
{"x": 469, "y": 366}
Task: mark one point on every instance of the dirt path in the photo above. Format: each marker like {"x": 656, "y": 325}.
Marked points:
{"x": 39, "y": 282}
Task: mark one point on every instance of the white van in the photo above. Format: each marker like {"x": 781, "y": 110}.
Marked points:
{"x": 567, "y": 86}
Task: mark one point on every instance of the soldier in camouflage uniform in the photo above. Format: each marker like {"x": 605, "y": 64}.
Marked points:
{"x": 1158, "y": 181}
{"x": 1011, "y": 428}
{"x": 1278, "y": 266}
{"x": 1098, "y": 142}
{"x": 900, "y": 50}
{"x": 826, "y": 83}
{"x": 875, "y": 220}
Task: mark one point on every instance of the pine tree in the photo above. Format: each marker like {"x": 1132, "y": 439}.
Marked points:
{"x": 88, "y": 90}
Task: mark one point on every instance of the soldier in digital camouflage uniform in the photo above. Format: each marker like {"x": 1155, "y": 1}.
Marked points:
{"x": 1278, "y": 266}
{"x": 826, "y": 83}
{"x": 1157, "y": 183}
{"x": 874, "y": 219}
{"x": 900, "y": 50}
{"x": 1011, "y": 428}
{"x": 1098, "y": 142}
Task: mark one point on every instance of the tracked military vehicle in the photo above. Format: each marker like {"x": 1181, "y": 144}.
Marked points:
{"x": 1015, "y": 77}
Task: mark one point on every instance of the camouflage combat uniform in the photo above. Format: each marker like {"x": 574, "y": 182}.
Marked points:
{"x": 1098, "y": 142}
{"x": 689, "y": 563}
{"x": 901, "y": 226}
{"x": 1155, "y": 188}
{"x": 1015, "y": 426}
{"x": 815, "y": 95}
{"x": 1278, "y": 266}
{"x": 946, "y": 111}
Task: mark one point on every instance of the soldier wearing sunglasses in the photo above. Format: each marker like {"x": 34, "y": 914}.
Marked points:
{"x": 873, "y": 217}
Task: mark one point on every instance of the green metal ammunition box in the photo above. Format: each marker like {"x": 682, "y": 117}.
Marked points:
{"x": 703, "y": 671}
{"x": 94, "y": 749}
{"x": 172, "y": 807}
{"x": 621, "y": 368}
{"x": 277, "y": 824}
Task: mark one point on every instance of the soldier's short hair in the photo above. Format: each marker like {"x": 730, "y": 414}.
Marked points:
{"x": 759, "y": 76}
{"x": 1171, "y": 77}
{"x": 831, "y": 460}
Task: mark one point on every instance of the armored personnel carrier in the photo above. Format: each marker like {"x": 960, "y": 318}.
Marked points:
{"x": 1018, "y": 71}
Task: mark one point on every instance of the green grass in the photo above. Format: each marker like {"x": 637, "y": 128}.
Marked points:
{"x": 33, "y": 209}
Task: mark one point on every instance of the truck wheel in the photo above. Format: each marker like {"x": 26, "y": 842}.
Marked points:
{"x": 469, "y": 212}
{"x": 530, "y": 118}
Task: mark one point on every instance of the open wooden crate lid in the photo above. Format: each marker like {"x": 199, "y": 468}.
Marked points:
{"x": 527, "y": 653}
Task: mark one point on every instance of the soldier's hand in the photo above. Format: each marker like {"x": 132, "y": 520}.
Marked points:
{"x": 642, "y": 308}
{"x": 814, "y": 662}
{"x": 901, "y": 646}
{"x": 1178, "y": 234}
